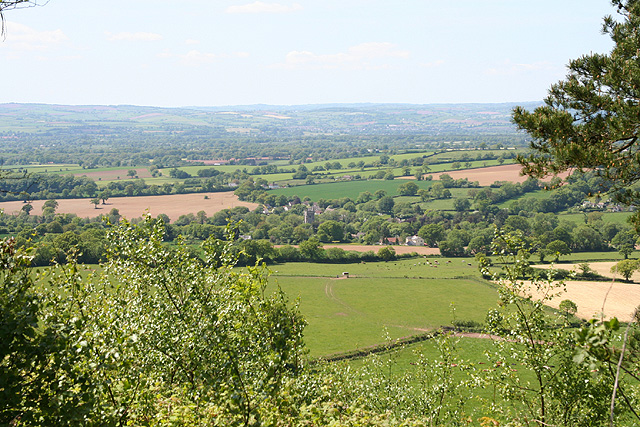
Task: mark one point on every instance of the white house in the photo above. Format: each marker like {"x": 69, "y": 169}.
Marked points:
{"x": 414, "y": 241}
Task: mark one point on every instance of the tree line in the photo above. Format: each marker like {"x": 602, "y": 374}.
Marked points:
{"x": 370, "y": 219}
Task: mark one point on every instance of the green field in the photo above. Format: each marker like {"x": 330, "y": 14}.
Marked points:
{"x": 538, "y": 195}
{"x": 614, "y": 217}
{"x": 400, "y": 298}
{"x": 471, "y": 350}
{"x": 448, "y": 268}
{"x": 593, "y": 256}
{"x": 345, "y": 314}
{"x": 468, "y": 363}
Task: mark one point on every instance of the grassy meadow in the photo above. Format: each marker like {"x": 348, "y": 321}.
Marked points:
{"x": 346, "y": 314}
{"x": 592, "y": 256}
{"x": 447, "y": 268}
{"x": 383, "y": 299}
{"x": 398, "y": 298}
{"x": 613, "y": 217}
{"x": 538, "y": 195}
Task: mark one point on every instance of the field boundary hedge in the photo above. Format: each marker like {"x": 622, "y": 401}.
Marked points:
{"x": 382, "y": 348}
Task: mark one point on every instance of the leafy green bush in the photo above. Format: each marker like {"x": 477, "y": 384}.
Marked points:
{"x": 40, "y": 356}
{"x": 155, "y": 327}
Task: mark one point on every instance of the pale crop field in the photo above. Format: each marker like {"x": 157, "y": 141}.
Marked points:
{"x": 596, "y": 299}
{"x": 172, "y": 205}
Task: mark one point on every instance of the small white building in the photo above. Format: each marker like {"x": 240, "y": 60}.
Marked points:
{"x": 414, "y": 241}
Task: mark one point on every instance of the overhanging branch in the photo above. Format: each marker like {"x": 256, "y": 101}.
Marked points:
{"x": 15, "y": 4}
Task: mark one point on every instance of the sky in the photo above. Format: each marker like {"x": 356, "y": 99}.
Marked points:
{"x": 290, "y": 52}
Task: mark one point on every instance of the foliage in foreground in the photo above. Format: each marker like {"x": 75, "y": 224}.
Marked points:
{"x": 167, "y": 333}
{"x": 561, "y": 391}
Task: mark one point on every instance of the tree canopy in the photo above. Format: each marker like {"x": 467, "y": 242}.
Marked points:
{"x": 589, "y": 121}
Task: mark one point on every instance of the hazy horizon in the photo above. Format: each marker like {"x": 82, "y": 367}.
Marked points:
{"x": 285, "y": 106}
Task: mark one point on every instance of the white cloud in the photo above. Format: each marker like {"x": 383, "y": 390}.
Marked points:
{"x": 377, "y": 50}
{"x": 165, "y": 54}
{"x": 433, "y": 64}
{"x": 508, "y": 68}
{"x": 19, "y": 37}
{"x": 261, "y": 7}
{"x": 195, "y": 57}
{"x": 139, "y": 36}
{"x": 363, "y": 56}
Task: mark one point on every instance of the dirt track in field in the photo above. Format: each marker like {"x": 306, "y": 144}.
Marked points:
{"x": 612, "y": 298}
{"x": 132, "y": 207}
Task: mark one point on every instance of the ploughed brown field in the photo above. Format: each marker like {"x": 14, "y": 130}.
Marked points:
{"x": 487, "y": 176}
{"x": 172, "y": 205}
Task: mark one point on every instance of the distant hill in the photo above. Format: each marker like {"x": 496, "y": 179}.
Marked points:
{"x": 268, "y": 120}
